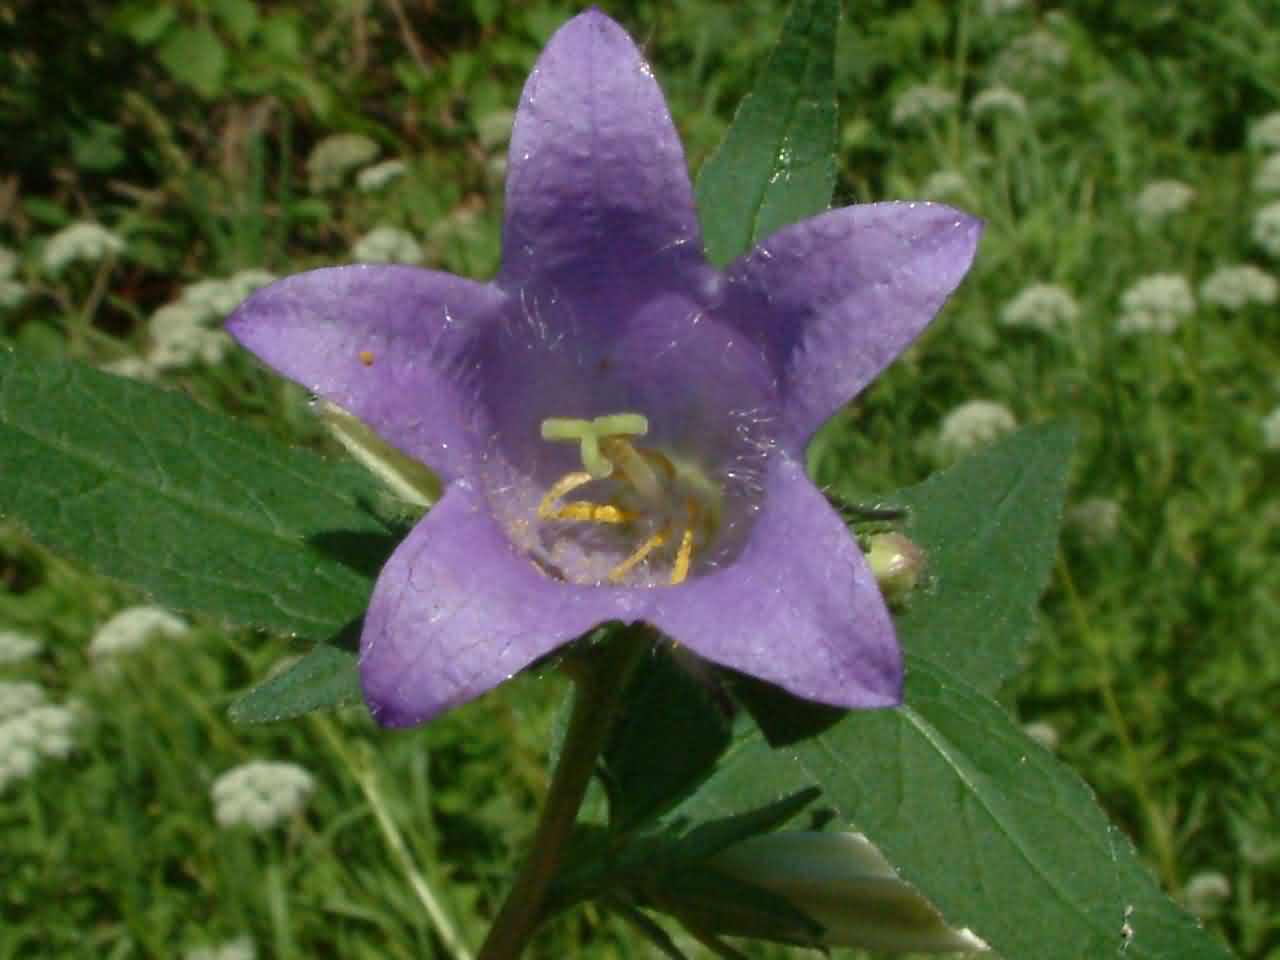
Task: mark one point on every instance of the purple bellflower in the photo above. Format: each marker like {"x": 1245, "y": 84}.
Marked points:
{"x": 620, "y": 427}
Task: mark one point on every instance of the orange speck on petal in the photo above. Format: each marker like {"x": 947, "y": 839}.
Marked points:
{"x": 366, "y": 357}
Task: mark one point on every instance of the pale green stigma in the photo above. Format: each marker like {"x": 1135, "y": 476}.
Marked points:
{"x": 588, "y": 433}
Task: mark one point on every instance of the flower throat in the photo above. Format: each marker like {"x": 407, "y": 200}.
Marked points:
{"x": 660, "y": 503}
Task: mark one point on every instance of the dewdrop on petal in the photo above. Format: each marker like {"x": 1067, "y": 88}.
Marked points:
{"x": 1156, "y": 304}
{"x": 1042, "y": 306}
{"x": 1264, "y": 133}
{"x": 334, "y": 157}
{"x": 972, "y": 425}
{"x": 260, "y": 794}
{"x": 86, "y": 241}
{"x": 130, "y": 630}
{"x": 841, "y": 881}
{"x": 1266, "y": 228}
{"x": 1235, "y": 287}
{"x": 923, "y": 102}
{"x": 241, "y": 948}
{"x": 387, "y": 245}
{"x": 17, "y": 647}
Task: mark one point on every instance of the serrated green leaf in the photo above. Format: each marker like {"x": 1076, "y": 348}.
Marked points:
{"x": 326, "y": 677}
{"x": 202, "y": 512}
{"x": 664, "y": 744}
{"x": 196, "y": 57}
{"x": 776, "y": 164}
{"x": 1001, "y": 837}
{"x": 989, "y": 526}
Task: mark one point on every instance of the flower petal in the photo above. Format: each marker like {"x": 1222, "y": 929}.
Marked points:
{"x": 458, "y": 609}
{"x": 386, "y": 343}
{"x": 799, "y": 607}
{"x": 598, "y": 191}
{"x": 837, "y": 297}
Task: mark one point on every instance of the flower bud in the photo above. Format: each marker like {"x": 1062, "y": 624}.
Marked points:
{"x": 897, "y": 563}
{"x": 841, "y": 881}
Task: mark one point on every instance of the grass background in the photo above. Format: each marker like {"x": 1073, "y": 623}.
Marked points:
{"x": 186, "y": 128}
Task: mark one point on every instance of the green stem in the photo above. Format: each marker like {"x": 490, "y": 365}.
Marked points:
{"x": 600, "y": 676}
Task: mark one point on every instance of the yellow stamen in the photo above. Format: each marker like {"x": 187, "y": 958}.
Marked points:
{"x": 589, "y": 512}
{"x": 619, "y": 572}
{"x": 566, "y": 484}
{"x": 684, "y": 555}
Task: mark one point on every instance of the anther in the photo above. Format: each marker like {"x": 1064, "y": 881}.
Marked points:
{"x": 566, "y": 484}
{"x": 619, "y": 573}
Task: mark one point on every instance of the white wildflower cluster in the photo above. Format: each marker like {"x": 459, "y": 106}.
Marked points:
{"x": 15, "y": 647}
{"x": 87, "y": 241}
{"x": 1264, "y": 133}
{"x": 374, "y": 178}
{"x": 920, "y": 103}
{"x": 131, "y": 629}
{"x": 998, "y": 99}
{"x": 1156, "y": 304}
{"x": 1205, "y": 893}
{"x": 387, "y": 245}
{"x": 1266, "y": 228}
{"x": 1161, "y": 199}
{"x": 1267, "y": 179}
{"x": 494, "y": 129}
{"x": 18, "y": 697}
{"x": 1042, "y": 306}
{"x": 334, "y": 157}
{"x": 12, "y": 291}
{"x": 1236, "y": 287}
{"x": 1271, "y": 430}
{"x": 260, "y": 794}
{"x": 31, "y": 731}
{"x": 241, "y": 948}
{"x": 187, "y": 332}
{"x": 972, "y": 425}
{"x": 1042, "y": 733}
{"x": 944, "y": 185}
{"x": 1032, "y": 56}
{"x": 1095, "y": 519}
